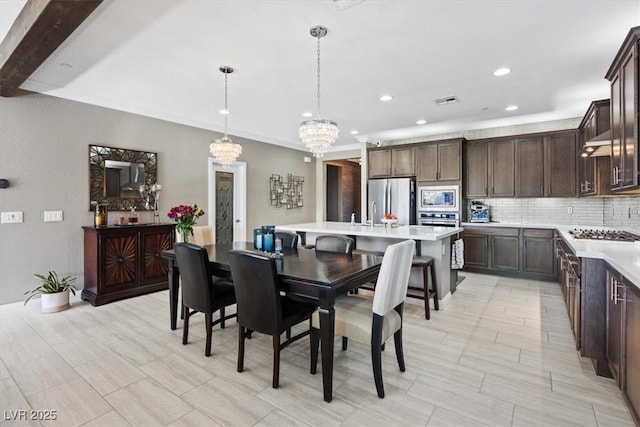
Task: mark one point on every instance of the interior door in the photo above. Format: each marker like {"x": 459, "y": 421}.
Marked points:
{"x": 224, "y": 207}
{"x": 235, "y": 210}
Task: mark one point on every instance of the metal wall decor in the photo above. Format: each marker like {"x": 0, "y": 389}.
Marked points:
{"x": 286, "y": 193}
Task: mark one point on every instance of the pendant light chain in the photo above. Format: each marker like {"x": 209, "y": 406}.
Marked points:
{"x": 318, "y": 94}
{"x": 226, "y": 108}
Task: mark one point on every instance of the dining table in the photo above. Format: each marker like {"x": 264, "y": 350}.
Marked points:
{"x": 316, "y": 276}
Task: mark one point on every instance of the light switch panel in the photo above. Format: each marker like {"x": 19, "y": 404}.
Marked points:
{"x": 51, "y": 216}
{"x": 11, "y": 217}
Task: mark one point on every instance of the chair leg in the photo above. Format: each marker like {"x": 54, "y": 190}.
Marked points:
{"x": 208, "y": 325}
{"x": 376, "y": 353}
{"x": 345, "y": 342}
{"x": 434, "y": 285}
{"x": 288, "y": 334}
{"x": 397, "y": 338}
{"x": 185, "y": 327}
{"x": 382, "y": 346}
{"x": 314, "y": 338}
{"x": 425, "y": 283}
{"x": 241, "y": 336}
{"x": 276, "y": 361}
{"x": 222, "y": 317}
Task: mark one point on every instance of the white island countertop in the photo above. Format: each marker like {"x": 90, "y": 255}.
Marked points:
{"x": 415, "y": 232}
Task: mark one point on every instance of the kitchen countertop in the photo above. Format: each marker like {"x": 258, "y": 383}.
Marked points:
{"x": 415, "y": 232}
{"x": 622, "y": 256}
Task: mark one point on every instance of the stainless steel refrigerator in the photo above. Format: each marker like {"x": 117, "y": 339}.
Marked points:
{"x": 396, "y": 196}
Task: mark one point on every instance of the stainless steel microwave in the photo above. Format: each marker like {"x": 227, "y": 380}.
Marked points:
{"x": 439, "y": 198}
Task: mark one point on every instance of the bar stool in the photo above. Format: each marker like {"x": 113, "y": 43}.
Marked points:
{"x": 426, "y": 263}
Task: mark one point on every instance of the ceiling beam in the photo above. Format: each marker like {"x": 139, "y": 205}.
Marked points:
{"x": 40, "y": 28}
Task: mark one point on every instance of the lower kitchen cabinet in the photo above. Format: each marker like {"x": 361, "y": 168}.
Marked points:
{"x": 528, "y": 251}
{"x": 537, "y": 251}
{"x": 121, "y": 262}
{"x": 631, "y": 388}
{"x": 623, "y": 337}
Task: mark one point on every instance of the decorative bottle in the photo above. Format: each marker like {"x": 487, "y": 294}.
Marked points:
{"x": 133, "y": 216}
{"x": 100, "y": 217}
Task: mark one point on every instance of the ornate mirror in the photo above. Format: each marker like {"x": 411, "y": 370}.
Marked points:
{"x": 118, "y": 176}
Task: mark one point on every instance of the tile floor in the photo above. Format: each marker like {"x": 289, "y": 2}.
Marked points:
{"x": 500, "y": 354}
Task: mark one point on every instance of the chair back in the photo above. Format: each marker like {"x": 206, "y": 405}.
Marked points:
{"x": 289, "y": 240}
{"x": 257, "y": 292}
{"x": 393, "y": 280}
{"x": 203, "y": 235}
{"x": 334, "y": 243}
{"x": 193, "y": 262}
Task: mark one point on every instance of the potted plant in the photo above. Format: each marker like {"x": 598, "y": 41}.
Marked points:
{"x": 54, "y": 291}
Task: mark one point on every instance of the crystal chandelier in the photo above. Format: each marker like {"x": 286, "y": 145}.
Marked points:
{"x": 318, "y": 134}
{"x": 225, "y": 150}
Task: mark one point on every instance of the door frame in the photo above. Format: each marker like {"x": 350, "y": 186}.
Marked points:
{"x": 239, "y": 170}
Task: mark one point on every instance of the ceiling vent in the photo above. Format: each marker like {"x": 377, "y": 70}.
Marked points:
{"x": 446, "y": 100}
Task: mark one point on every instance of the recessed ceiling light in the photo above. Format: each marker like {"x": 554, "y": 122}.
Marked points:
{"x": 502, "y": 71}
{"x": 354, "y": 132}
{"x": 223, "y": 111}
{"x": 385, "y": 98}
{"x": 512, "y": 108}
{"x": 421, "y": 122}
{"x": 307, "y": 114}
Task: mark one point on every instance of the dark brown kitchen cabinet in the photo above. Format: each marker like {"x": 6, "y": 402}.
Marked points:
{"x": 538, "y": 251}
{"x": 594, "y": 173}
{"x": 528, "y": 252}
{"x": 379, "y": 164}
{"x": 125, "y": 261}
{"x": 625, "y": 91}
{"x": 530, "y": 167}
{"x": 391, "y": 162}
{"x": 560, "y": 164}
{"x": 502, "y": 168}
{"x": 476, "y": 171}
{"x": 631, "y": 388}
{"x": 623, "y": 337}
{"x": 476, "y": 249}
{"x": 491, "y": 248}
{"x": 439, "y": 161}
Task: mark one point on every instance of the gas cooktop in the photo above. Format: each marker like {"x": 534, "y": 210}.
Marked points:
{"x": 614, "y": 235}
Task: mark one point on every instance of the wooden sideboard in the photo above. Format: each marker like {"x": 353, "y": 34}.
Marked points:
{"x": 124, "y": 261}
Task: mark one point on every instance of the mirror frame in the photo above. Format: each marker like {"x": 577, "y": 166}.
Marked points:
{"x": 98, "y": 154}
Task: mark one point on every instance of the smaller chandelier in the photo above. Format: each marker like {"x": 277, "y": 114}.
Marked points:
{"x": 318, "y": 134}
{"x": 225, "y": 150}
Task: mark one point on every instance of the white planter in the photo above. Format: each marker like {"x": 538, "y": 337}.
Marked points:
{"x": 52, "y": 303}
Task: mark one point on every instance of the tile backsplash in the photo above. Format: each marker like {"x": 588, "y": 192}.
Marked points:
{"x": 608, "y": 212}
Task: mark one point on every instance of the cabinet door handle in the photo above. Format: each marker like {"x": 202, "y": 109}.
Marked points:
{"x": 610, "y": 288}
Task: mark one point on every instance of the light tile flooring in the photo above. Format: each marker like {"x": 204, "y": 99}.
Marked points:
{"x": 500, "y": 354}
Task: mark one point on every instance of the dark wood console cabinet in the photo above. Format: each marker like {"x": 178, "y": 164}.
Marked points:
{"x": 124, "y": 261}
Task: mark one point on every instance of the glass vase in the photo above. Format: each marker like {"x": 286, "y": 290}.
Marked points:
{"x": 184, "y": 236}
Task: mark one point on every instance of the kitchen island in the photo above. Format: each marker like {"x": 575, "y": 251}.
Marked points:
{"x": 431, "y": 241}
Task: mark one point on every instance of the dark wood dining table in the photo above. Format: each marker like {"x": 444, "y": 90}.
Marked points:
{"x": 305, "y": 273}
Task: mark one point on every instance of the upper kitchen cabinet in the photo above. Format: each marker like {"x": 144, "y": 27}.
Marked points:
{"x": 391, "y": 162}
{"x": 594, "y": 171}
{"x": 502, "y": 168}
{"x": 476, "y": 169}
{"x": 439, "y": 161}
{"x": 560, "y": 164}
{"x": 625, "y": 87}
{"x": 530, "y": 170}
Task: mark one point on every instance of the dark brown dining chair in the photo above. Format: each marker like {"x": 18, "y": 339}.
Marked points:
{"x": 289, "y": 239}
{"x": 374, "y": 322}
{"x": 261, "y": 308}
{"x": 201, "y": 291}
{"x": 334, "y": 243}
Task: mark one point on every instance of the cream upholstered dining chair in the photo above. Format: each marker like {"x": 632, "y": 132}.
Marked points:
{"x": 374, "y": 321}
{"x": 203, "y": 235}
